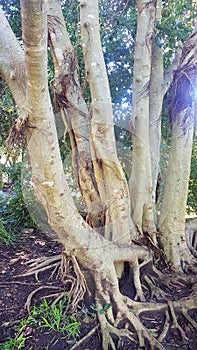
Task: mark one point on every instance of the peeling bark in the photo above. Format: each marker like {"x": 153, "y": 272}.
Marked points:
{"x": 74, "y": 111}
{"x": 109, "y": 175}
{"x": 95, "y": 255}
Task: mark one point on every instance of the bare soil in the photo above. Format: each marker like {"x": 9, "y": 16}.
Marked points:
{"x": 14, "y": 291}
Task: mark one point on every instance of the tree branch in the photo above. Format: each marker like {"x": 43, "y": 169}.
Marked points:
{"x": 12, "y": 61}
{"x": 169, "y": 74}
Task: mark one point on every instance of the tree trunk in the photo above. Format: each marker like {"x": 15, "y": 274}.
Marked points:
{"x": 96, "y": 255}
{"x": 68, "y": 94}
{"x": 183, "y": 109}
{"x": 12, "y": 64}
{"x": 155, "y": 108}
{"x": 141, "y": 189}
{"x": 110, "y": 179}
{"x": 172, "y": 213}
{"x": 156, "y": 102}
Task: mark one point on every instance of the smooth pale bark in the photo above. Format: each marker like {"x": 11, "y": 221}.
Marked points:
{"x": 141, "y": 176}
{"x": 94, "y": 253}
{"x": 168, "y": 76}
{"x": 108, "y": 172}
{"x": 155, "y": 109}
{"x": 155, "y": 106}
{"x": 68, "y": 94}
{"x": 172, "y": 213}
{"x": 12, "y": 64}
{"x": 183, "y": 109}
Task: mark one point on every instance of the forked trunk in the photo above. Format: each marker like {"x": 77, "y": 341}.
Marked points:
{"x": 75, "y": 114}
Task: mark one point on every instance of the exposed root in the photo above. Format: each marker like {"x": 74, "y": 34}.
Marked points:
{"x": 118, "y": 315}
{"x": 31, "y": 295}
{"x": 175, "y": 324}
{"x": 155, "y": 292}
{"x": 82, "y": 340}
{"x": 76, "y": 280}
{"x": 165, "y": 327}
{"x": 189, "y": 319}
{"x": 136, "y": 279}
{"x": 59, "y": 297}
{"x": 122, "y": 312}
{"x": 69, "y": 272}
{"x": 77, "y": 283}
{"x": 130, "y": 320}
{"x": 41, "y": 265}
{"x": 43, "y": 261}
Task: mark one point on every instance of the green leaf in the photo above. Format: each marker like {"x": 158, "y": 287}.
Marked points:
{"x": 106, "y": 307}
{"x": 102, "y": 311}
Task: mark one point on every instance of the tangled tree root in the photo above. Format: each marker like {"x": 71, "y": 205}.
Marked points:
{"x": 129, "y": 312}
{"x": 31, "y": 295}
{"x": 42, "y": 264}
{"x": 67, "y": 270}
{"x": 119, "y": 316}
{"x": 109, "y": 328}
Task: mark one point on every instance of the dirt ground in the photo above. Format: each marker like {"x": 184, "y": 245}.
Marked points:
{"x": 15, "y": 290}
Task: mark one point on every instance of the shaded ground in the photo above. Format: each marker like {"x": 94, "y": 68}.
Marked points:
{"x": 15, "y": 290}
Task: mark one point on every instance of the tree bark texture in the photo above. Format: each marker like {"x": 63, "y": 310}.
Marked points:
{"x": 141, "y": 189}
{"x": 182, "y": 113}
{"x": 98, "y": 255}
{"x": 75, "y": 113}
{"x": 12, "y": 63}
{"x": 110, "y": 179}
{"x": 92, "y": 250}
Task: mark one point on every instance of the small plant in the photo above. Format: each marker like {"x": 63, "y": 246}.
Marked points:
{"x": 18, "y": 342}
{"x": 105, "y": 308}
{"x": 13, "y": 208}
{"x": 6, "y": 237}
{"x": 90, "y": 312}
{"x": 14, "y": 344}
{"x": 56, "y": 318}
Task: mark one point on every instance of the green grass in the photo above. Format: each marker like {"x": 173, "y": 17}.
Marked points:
{"x": 6, "y": 236}
{"x": 18, "y": 342}
{"x": 14, "y": 344}
{"x": 56, "y": 318}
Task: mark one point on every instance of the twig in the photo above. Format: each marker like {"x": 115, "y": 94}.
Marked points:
{"x": 18, "y": 282}
{"x": 89, "y": 334}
